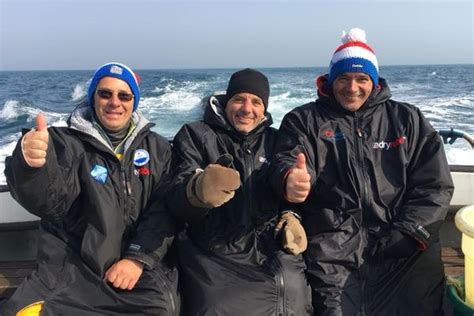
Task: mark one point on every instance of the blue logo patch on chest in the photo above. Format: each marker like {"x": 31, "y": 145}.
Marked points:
{"x": 99, "y": 174}
{"x": 141, "y": 157}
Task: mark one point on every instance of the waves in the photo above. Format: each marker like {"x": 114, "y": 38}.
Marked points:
{"x": 171, "y": 98}
{"x": 79, "y": 92}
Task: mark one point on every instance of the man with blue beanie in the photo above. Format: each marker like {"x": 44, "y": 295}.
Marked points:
{"x": 97, "y": 186}
{"x": 369, "y": 178}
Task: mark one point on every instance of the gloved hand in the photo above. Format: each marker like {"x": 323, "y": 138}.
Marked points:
{"x": 213, "y": 186}
{"x": 396, "y": 245}
{"x": 294, "y": 237}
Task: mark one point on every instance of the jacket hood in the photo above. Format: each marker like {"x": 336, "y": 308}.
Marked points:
{"x": 82, "y": 119}
{"x": 380, "y": 94}
{"x": 214, "y": 115}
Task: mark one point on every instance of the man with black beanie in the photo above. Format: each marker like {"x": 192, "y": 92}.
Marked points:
{"x": 231, "y": 264}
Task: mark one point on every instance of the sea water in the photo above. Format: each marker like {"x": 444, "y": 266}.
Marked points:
{"x": 170, "y": 98}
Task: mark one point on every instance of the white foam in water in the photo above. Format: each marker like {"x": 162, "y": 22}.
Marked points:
{"x": 460, "y": 156}
{"x": 13, "y": 109}
{"x": 5, "y": 151}
{"x": 10, "y": 110}
{"x": 79, "y": 92}
{"x": 178, "y": 101}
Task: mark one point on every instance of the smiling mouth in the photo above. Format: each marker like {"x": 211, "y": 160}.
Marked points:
{"x": 242, "y": 119}
{"x": 113, "y": 114}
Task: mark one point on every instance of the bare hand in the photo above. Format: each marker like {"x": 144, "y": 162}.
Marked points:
{"x": 124, "y": 274}
{"x": 298, "y": 182}
{"x": 34, "y": 144}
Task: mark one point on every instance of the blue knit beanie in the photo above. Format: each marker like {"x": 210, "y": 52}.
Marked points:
{"x": 119, "y": 71}
{"x": 354, "y": 55}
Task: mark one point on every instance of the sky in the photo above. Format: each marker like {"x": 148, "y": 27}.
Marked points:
{"x": 182, "y": 34}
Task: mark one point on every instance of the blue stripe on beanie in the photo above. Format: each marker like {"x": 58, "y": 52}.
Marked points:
{"x": 115, "y": 70}
{"x": 354, "y": 55}
{"x": 353, "y": 64}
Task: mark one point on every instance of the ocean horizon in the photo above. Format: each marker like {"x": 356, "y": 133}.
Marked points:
{"x": 172, "y": 97}
{"x": 227, "y": 68}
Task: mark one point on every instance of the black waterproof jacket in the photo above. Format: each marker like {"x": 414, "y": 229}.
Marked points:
{"x": 230, "y": 262}
{"x": 382, "y": 167}
{"x": 89, "y": 221}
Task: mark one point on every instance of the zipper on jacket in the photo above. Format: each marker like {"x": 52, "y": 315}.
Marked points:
{"x": 127, "y": 190}
{"x": 249, "y": 167}
{"x": 126, "y": 193}
{"x": 280, "y": 283}
{"x": 359, "y": 143}
{"x": 169, "y": 289}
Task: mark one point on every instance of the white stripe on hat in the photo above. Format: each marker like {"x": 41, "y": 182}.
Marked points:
{"x": 355, "y": 52}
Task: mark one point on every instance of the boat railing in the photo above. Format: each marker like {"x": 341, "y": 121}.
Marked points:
{"x": 451, "y": 135}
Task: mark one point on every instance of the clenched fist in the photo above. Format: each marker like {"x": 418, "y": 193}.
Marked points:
{"x": 124, "y": 274}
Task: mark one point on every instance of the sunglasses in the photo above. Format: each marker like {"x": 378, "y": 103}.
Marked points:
{"x": 107, "y": 94}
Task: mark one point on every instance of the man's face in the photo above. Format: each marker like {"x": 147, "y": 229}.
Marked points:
{"x": 113, "y": 103}
{"x": 352, "y": 89}
{"x": 245, "y": 111}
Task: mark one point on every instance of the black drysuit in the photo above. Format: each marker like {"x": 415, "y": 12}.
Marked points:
{"x": 230, "y": 262}
{"x": 96, "y": 210}
{"x": 379, "y": 169}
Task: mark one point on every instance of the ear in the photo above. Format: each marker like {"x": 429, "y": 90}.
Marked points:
{"x": 322, "y": 85}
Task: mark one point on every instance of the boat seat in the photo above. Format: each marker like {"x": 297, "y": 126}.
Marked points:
{"x": 12, "y": 273}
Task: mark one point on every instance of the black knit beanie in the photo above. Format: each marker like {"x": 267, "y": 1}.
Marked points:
{"x": 248, "y": 81}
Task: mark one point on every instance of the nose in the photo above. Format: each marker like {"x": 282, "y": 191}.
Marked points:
{"x": 247, "y": 106}
{"x": 352, "y": 85}
{"x": 114, "y": 100}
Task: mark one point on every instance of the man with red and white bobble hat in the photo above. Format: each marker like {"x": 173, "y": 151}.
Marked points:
{"x": 369, "y": 177}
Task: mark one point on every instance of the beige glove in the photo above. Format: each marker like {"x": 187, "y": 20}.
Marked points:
{"x": 294, "y": 237}
{"x": 212, "y": 187}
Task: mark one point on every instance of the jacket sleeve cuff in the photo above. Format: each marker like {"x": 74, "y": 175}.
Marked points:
{"x": 136, "y": 252}
{"x": 285, "y": 176}
{"x": 292, "y": 212}
{"x": 419, "y": 233}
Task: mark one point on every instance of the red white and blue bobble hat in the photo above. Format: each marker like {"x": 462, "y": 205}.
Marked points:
{"x": 354, "y": 55}
{"x": 115, "y": 70}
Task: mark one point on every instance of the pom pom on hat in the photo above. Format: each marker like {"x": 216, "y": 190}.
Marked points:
{"x": 115, "y": 70}
{"x": 354, "y": 55}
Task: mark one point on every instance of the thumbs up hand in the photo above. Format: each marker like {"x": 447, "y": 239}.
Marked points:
{"x": 35, "y": 143}
{"x": 298, "y": 182}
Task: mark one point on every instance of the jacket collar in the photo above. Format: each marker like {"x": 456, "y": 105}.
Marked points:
{"x": 82, "y": 119}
